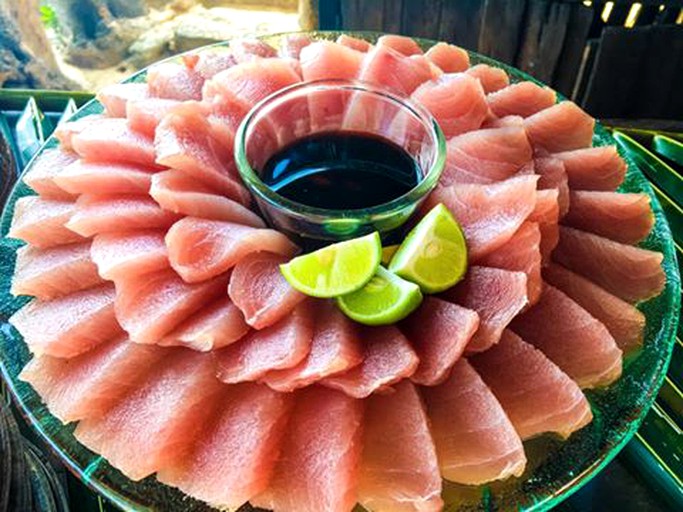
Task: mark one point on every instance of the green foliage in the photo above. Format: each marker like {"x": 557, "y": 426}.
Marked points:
{"x": 48, "y": 16}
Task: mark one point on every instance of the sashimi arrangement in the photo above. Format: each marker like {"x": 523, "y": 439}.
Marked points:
{"x": 162, "y": 324}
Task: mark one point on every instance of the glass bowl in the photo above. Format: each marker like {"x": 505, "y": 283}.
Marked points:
{"x": 555, "y": 470}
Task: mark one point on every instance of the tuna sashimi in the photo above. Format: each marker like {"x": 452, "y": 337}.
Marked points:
{"x": 535, "y": 394}
{"x": 317, "y": 59}
{"x": 624, "y": 322}
{"x": 260, "y": 291}
{"x": 123, "y": 254}
{"x": 215, "y": 326}
{"x": 199, "y": 248}
{"x": 103, "y": 214}
{"x": 475, "y": 441}
{"x": 387, "y": 67}
{"x": 486, "y": 156}
{"x": 492, "y": 79}
{"x": 489, "y": 214}
{"x": 575, "y": 341}
{"x": 335, "y": 348}
{"x": 209, "y": 63}
{"x": 456, "y": 101}
{"x": 178, "y": 192}
{"x": 153, "y": 427}
{"x": 448, "y": 57}
{"x": 89, "y": 384}
{"x": 553, "y": 175}
{"x": 547, "y": 214}
{"x": 174, "y": 81}
{"x": 65, "y": 132}
{"x": 496, "y": 295}
{"x": 521, "y": 99}
{"x": 387, "y": 358}
{"x": 599, "y": 168}
{"x": 83, "y": 177}
{"x": 625, "y": 218}
{"x": 115, "y": 97}
{"x": 69, "y": 325}
{"x": 353, "y": 42}
{"x": 630, "y": 273}
{"x": 562, "y": 127}
{"x": 282, "y": 345}
{"x": 41, "y": 174}
{"x": 112, "y": 140}
{"x": 145, "y": 115}
{"x": 151, "y": 306}
{"x": 439, "y": 332}
{"x": 234, "y": 458}
{"x": 521, "y": 253}
{"x": 398, "y": 471}
{"x": 41, "y": 222}
{"x": 184, "y": 141}
{"x": 292, "y": 45}
{"x": 318, "y": 466}
{"x": 402, "y": 44}
{"x": 246, "y": 49}
{"x": 54, "y": 272}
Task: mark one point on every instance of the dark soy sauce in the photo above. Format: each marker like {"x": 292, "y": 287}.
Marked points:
{"x": 341, "y": 170}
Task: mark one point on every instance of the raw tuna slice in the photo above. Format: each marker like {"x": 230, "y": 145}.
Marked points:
{"x": 199, "y": 249}
{"x": 178, "y": 192}
{"x": 535, "y": 394}
{"x": 69, "y": 325}
{"x": 521, "y": 99}
{"x": 111, "y": 140}
{"x": 488, "y": 214}
{"x": 317, "y": 468}
{"x": 575, "y": 341}
{"x": 153, "y": 427}
{"x": 83, "y": 177}
{"x": 625, "y": 218}
{"x": 496, "y": 295}
{"x": 88, "y": 385}
{"x": 335, "y": 348}
{"x": 492, "y": 79}
{"x": 184, "y": 141}
{"x": 521, "y": 253}
{"x": 399, "y": 471}
{"x": 389, "y": 68}
{"x": 54, "y": 272}
{"x": 40, "y": 176}
{"x": 247, "y": 49}
{"x": 145, "y": 115}
{"x": 279, "y": 346}
{"x": 475, "y": 441}
{"x": 630, "y": 273}
{"x": 233, "y": 459}
{"x": 293, "y": 44}
{"x": 317, "y": 59}
{"x": 174, "y": 81}
{"x": 387, "y": 358}
{"x": 402, "y": 44}
{"x": 151, "y": 306}
{"x": 599, "y": 168}
{"x": 547, "y": 214}
{"x": 486, "y": 156}
{"x": 562, "y": 127}
{"x": 260, "y": 291}
{"x": 103, "y": 214}
{"x": 65, "y": 132}
{"x": 449, "y": 58}
{"x": 456, "y": 101}
{"x": 215, "y": 326}
{"x": 115, "y": 97}
{"x": 624, "y": 322}
{"x": 209, "y": 63}
{"x": 119, "y": 255}
{"x": 41, "y": 222}
{"x": 439, "y": 332}
{"x": 353, "y": 42}
{"x": 553, "y": 175}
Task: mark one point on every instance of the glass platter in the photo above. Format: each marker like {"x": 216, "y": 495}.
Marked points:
{"x": 555, "y": 470}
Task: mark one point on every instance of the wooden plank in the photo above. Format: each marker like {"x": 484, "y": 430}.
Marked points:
{"x": 461, "y": 22}
{"x": 421, "y": 19}
{"x": 501, "y": 29}
{"x": 569, "y": 62}
{"x": 362, "y": 14}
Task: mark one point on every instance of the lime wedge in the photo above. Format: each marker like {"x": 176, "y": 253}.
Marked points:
{"x": 336, "y": 269}
{"x": 434, "y": 254}
{"x": 385, "y": 299}
{"x": 388, "y": 253}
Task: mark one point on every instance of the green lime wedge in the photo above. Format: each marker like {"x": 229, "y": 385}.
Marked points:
{"x": 385, "y": 299}
{"x": 388, "y": 253}
{"x": 337, "y": 269}
{"x": 434, "y": 254}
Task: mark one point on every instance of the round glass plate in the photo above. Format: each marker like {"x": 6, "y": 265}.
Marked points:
{"x": 556, "y": 469}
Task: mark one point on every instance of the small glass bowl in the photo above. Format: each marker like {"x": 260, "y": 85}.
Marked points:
{"x": 331, "y": 106}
